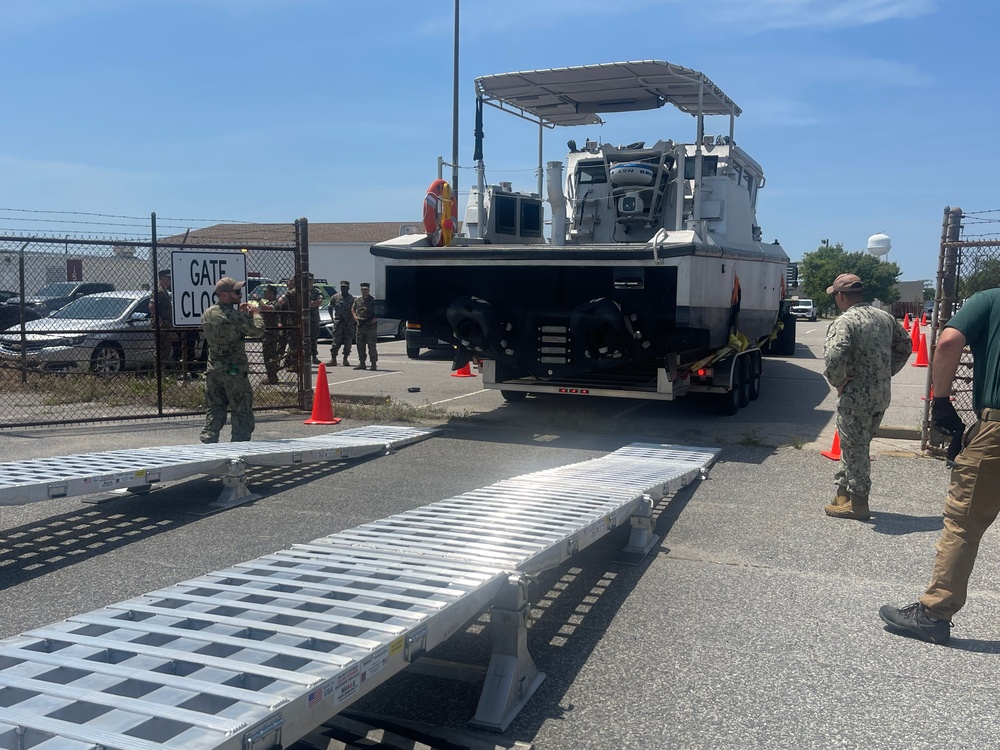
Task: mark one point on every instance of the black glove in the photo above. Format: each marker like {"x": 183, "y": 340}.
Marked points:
{"x": 945, "y": 418}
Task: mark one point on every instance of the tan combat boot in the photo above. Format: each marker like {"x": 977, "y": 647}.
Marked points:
{"x": 842, "y": 497}
{"x": 856, "y": 507}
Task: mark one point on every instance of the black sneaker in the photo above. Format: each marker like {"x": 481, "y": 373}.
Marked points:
{"x": 914, "y": 621}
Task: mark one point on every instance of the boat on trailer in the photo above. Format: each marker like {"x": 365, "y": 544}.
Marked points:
{"x": 655, "y": 257}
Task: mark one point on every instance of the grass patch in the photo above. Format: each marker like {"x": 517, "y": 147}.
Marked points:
{"x": 123, "y": 389}
{"x": 385, "y": 409}
{"x": 753, "y": 438}
{"x": 797, "y": 442}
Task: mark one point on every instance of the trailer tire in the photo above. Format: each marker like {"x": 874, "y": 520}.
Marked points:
{"x": 756, "y": 370}
{"x": 786, "y": 338}
{"x": 729, "y": 402}
{"x": 745, "y": 371}
{"x": 412, "y": 352}
{"x": 513, "y": 397}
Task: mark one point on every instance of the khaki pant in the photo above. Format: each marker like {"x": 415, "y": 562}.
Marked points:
{"x": 970, "y": 508}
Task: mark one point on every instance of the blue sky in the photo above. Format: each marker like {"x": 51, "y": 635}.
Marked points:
{"x": 867, "y": 115}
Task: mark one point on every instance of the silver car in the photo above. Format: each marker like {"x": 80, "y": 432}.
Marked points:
{"x": 386, "y": 327}
{"x": 102, "y": 333}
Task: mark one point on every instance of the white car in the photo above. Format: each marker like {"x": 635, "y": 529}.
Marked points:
{"x": 102, "y": 333}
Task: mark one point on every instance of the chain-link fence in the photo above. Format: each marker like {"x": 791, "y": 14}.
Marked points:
{"x": 96, "y": 329}
{"x": 969, "y": 262}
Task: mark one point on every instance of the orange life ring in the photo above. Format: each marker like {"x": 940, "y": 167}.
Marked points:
{"x": 440, "y": 214}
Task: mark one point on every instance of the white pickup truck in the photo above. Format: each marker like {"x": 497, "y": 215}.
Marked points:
{"x": 804, "y": 309}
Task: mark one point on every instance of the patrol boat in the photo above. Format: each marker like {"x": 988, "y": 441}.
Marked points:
{"x": 655, "y": 258}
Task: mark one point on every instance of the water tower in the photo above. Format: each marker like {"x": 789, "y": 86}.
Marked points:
{"x": 879, "y": 245}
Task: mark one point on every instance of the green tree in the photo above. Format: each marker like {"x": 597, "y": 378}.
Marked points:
{"x": 820, "y": 267}
{"x": 984, "y": 273}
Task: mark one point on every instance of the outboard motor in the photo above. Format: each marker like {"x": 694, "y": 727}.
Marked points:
{"x": 473, "y": 323}
{"x": 605, "y": 330}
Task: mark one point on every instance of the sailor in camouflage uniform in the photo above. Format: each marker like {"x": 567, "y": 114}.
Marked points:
{"x": 344, "y": 326}
{"x": 864, "y": 348}
{"x": 227, "y": 385}
{"x": 363, "y": 311}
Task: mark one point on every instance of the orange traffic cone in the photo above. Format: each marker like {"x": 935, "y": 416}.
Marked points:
{"x": 915, "y": 336}
{"x": 923, "y": 319}
{"x": 464, "y": 372}
{"x": 322, "y": 406}
{"x": 922, "y": 360}
{"x": 906, "y": 322}
{"x": 834, "y": 451}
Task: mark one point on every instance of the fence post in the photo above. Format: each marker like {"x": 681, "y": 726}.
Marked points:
{"x": 154, "y": 286}
{"x": 302, "y": 288}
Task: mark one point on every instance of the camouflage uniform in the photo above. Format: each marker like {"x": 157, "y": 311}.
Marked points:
{"x": 869, "y": 346}
{"x": 367, "y": 333}
{"x": 165, "y": 340}
{"x": 288, "y": 340}
{"x": 269, "y": 344}
{"x": 344, "y": 327}
{"x": 227, "y": 385}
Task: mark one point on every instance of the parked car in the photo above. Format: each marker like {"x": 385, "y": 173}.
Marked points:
{"x": 10, "y": 316}
{"x": 387, "y": 327}
{"x": 103, "y": 333}
{"x": 6, "y": 295}
{"x": 415, "y": 341}
{"x": 53, "y": 296}
{"x": 804, "y": 309}
{"x": 929, "y": 308}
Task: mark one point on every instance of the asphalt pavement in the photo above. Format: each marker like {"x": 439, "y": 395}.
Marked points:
{"x": 753, "y": 625}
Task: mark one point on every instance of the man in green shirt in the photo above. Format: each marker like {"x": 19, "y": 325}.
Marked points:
{"x": 973, "y": 499}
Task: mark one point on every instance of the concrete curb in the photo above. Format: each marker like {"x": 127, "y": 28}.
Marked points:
{"x": 898, "y": 433}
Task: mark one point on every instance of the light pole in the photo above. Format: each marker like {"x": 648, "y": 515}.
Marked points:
{"x": 454, "y": 117}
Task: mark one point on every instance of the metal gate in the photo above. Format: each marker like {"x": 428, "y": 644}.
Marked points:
{"x": 969, "y": 262}
{"x": 68, "y": 356}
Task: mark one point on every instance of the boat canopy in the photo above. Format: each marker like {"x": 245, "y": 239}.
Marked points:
{"x": 577, "y": 95}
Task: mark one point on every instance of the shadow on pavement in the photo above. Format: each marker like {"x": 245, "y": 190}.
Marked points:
{"x": 897, "y": 524}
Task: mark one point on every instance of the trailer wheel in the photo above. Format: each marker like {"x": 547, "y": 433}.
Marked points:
{"x": 787, "y": 336}
{"x": 729, "y": 402}
{"x": 756, "y": 369}
{"x": 513, "y": 397}
{"x": 745, "y": 370}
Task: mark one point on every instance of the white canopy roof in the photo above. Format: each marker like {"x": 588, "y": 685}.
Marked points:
{"x": 575, "y": 96}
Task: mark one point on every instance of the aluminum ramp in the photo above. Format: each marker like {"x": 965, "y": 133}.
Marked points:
{"x": 136, "y": 469}
{"x": 260, "y": 654}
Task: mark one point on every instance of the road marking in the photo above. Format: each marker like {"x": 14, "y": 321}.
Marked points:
{"x": 453, "y": 398}
{"x": 362, "y": 377}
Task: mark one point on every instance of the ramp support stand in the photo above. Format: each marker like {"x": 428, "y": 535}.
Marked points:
{"x": 642, "y": 539}
{"x": 235, "y": 490}
{"x": 512, "y": 677}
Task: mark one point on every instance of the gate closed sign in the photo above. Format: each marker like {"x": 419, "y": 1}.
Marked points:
{"x": 195, "y": 274}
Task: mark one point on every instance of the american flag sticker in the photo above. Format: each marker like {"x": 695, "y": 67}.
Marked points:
{"x": 315, "y": 697}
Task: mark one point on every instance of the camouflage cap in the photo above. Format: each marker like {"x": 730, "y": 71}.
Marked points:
{"x": 345, "y": 283}
{"x": 846, "y": 282}
{"x": 365, "y": 285}
{"x": 227, "y": 284}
